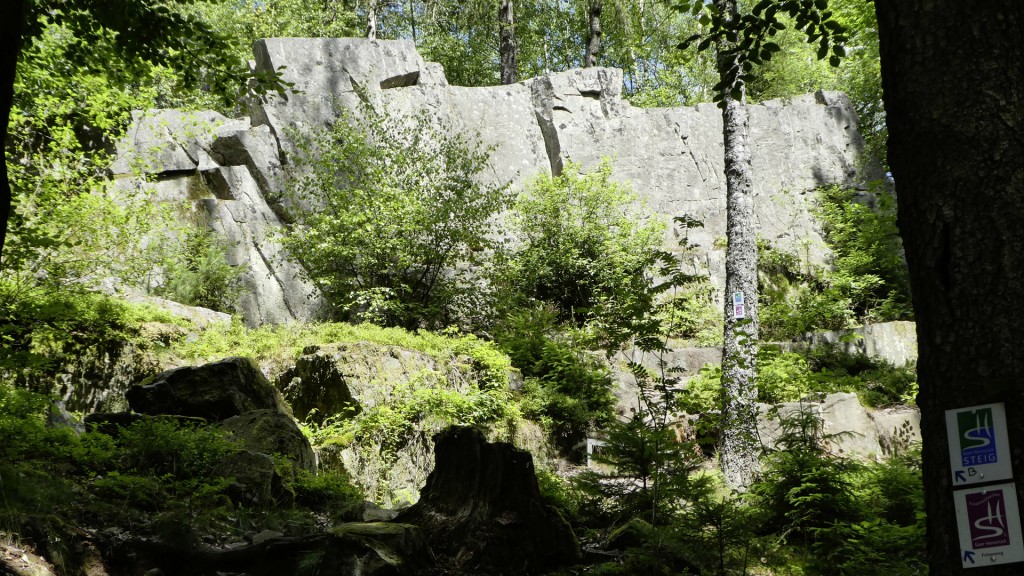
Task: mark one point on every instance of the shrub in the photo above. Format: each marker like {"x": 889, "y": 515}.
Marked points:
{"x": 389, "y": 212}
{"x": 579, "y": 243}
{"x": 867, "y": 279}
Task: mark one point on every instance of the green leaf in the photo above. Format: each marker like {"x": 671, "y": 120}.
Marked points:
{"x": 834, "y": 61}
{"x": 822, "y": 51}
{"x": 771, "y": 47}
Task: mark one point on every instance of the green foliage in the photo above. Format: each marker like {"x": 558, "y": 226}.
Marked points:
{"x": 567, "y": 389}
{"x": 203, "y": 277}
{"x": 330, "y": 491}
{"x": 793, "y": 376}
{"x": 579, "y": 244}
{"x": 243, "y": 22}
{"x": 804, "y": 487}
{"x": 650, "y": 474}
{"x": 395, "y": 204}
{"x": 868, "y": 255}
{"x": 845, "y": 517}
{"x": 42, "y": 329}
{"x": 745, "y": 42}
{"x": 877, "y": 382}
{"x": 285, "y": 342}
{"x": 571, "y": 396}
{"x": 867, "y": 280}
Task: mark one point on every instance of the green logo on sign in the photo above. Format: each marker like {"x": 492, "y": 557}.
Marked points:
{"x": 977, "y": 437}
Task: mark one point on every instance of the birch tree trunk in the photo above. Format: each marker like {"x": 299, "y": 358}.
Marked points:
{"x": 740, "y": 446}
{"x": 371, "y": 19}
{"x": 507, "y": 43}
{"x": 953, "y": 82}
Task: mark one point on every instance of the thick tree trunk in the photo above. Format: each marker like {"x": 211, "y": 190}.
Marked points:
{"x": 594, "y": 40}
{"x": 10, "y": 43}
{"x": 740, "y": 447}
{"x": 953, "y": 80}
{"x": 507, "y": 43}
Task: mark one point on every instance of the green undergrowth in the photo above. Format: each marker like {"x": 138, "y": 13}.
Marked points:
{"x": 41, "y": 328}
{"x": 286, "y": 341}
{"x": 810, "y": 513}
{"x": 799, "y": 375}
{"x": 159, "y": 477}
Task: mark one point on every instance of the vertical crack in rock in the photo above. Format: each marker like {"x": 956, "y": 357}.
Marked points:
{"x": 273, "y": 269}
{"x": 543, "y": 95}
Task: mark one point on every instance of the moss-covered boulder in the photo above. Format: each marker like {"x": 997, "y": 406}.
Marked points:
{"x": 271, "y": 432}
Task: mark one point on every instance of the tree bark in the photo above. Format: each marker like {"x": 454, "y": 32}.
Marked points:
{"x": 953, "y": 81}
{"x": 371, "y": 19}
{"x": 594, "y": 40}
{"x": 507, "y": 43}
{"x": 740, "y": 446}
{"x": 10, "y": 45}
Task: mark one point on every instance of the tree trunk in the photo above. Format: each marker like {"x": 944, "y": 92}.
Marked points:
{"x": 371, "y": 19}
{"x": 412, "y": 21}
{"x": 10, "y": 32}
{"x": 507, "y": 43}
{"x": 953, "y": 81}
{"x": 739, "y": 443}
{"x": 594, "y": 41}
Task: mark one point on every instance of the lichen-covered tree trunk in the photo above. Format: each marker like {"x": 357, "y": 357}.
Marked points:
{"x": 371, "y": 19}
{"x": 738, "y": 452}
{"x": 594, "y": 38}
{"x": 507, "y": 43}
{"x": 953, "y": 81}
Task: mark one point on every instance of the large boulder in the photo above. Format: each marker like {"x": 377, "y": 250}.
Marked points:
{"x": 214, "y": 391}
{"x": 271, "y": 432}
{"x": 894, "y": 342}
{"x": 333, "y": 379}
{"x": 482, "y": 512}
{"x": 847, "y": 427}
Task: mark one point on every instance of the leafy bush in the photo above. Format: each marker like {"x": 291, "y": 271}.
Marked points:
{"x": 869, "y": 262}
{"x": 389, "y": 211}
{"x": 867, "y": 279}
{"x": 793, "y": 376}
{"x": 579, "y": 243}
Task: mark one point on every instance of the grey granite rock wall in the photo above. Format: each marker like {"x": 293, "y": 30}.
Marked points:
{"x": 233, "y": 170}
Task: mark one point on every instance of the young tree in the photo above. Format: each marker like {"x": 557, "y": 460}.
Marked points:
{"x": 742, "y": 43}
{"x": 953, "y": 79}
{"x": 389, "y": 211}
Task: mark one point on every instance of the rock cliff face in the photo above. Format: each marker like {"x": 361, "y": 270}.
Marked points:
{"x": 231, "y": 171}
